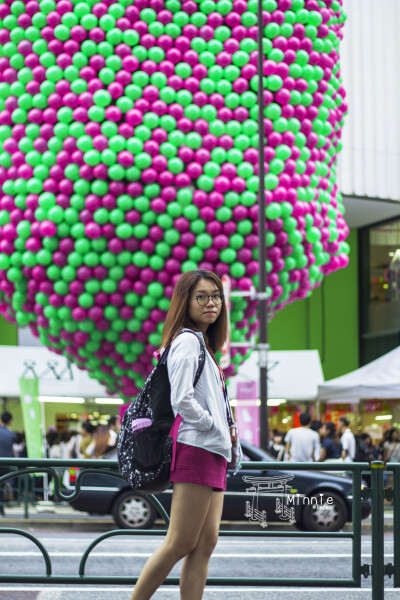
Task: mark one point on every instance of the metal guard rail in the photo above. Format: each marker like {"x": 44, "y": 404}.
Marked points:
{"x": 26, "y": 467}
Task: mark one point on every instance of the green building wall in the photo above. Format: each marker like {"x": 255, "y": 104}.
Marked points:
{"x": 8, "y": 333}
{"x": 327, "y": 321}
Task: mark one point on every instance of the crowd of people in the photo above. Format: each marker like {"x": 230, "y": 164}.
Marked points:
{"x": 315, "y": 441}
{"x": 93, "y": 441}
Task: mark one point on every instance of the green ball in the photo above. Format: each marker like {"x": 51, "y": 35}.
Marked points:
{"x": 86, "y": 300}
{"x": 140, "y": 259}
{"x": 238, "y": 270}
{"x": 189, "y": 265}
{"x": 124, "y": 231}
{"x": 273, "y": 211}
{"x": 223, "y": 214}
{"x": 155, "y": 290}
{"x": 204, "y": 241}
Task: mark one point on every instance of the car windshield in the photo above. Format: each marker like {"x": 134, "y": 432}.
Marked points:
{"x": 252, "y": 453}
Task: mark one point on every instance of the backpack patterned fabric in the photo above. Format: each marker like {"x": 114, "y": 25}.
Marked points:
{"x": 144, "y": 457}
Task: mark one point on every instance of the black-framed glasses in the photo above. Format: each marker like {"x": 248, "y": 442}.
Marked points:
{"x": 203, "y": 299}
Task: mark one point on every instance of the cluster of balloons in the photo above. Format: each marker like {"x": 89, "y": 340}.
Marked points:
{"x": 128, "y": 155}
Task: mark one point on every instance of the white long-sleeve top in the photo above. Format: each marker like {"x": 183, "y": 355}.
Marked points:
{"x": 203, "y": 408}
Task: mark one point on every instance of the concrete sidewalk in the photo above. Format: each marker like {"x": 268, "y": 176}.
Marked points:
{"x": 59, "y": 515}
{"x": 164, "y": 593}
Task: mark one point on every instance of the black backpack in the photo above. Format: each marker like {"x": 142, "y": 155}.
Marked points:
{"x": 144, "y": 457}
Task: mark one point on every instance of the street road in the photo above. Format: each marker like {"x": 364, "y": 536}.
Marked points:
{"x": 234, "y": 557}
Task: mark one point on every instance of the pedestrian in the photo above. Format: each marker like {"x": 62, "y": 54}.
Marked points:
{"x": 66, "y": 444}
{"x": 86, "y": 439}
{"x": 203, "y": 444}
{"x": 373, "y": 452}
{"x": 103, "y": 445}
{"x": 114, "y": 427}
{"x": 347, "y": 440}
{"x": 7, "y": 439}
{"x": 19, "y": 447}
{"x": 331, "y": 448}
{"x": 53, "y": 444}
{"x": 276, "y": 446}
{"x": 382, "y": 443}
{"x": 367, "y": 452}
{"x": 391, "y": 448}
{"x": 316, "y": 425}
{"x": 301, "y": 442}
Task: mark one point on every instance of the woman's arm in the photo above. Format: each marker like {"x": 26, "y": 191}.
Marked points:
{"x": 182, "y": 363}
{"x": 322, "y": 454}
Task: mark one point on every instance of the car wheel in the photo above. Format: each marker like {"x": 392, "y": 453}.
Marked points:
{"x": 328, "y": 514}
{"x": 133, "y": 511}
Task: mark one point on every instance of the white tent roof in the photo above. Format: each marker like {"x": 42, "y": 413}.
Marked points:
{"x": 56, "y": 376}
{"x": 378, "y": 379}
{"x": 292, "y": 374}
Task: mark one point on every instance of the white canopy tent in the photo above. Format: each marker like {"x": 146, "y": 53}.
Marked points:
{"x": 378, "y": 379}
{"x": 57, "y": 377}
{"x": 292, "y": 374}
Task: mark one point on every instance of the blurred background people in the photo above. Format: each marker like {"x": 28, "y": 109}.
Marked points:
{"x": 381, "y": 444}
{"x": 114, "y": 426}
{"x": 301, "y": 442}
{"x": 347, "y": 440}
{"x": 316, "y": 425}
{"x": 86, "y": 439}
{"x": 365, "y": 450}
{"x": 391, "y": 447}
{"x": 103, "y": 444}
{"x": 276, "y": 446}
{"x": 331, "y": 448}
{"x": 53, "y": 445}
{"x": 19, "y": 447}
{"x": 7, "y": 439}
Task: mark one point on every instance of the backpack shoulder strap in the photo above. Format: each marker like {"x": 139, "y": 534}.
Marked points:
{"x": 202, "y": 356}
{"x": 202, "y": 360}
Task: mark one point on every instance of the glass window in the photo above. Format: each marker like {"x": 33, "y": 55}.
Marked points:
{"x": 384, "y": 278}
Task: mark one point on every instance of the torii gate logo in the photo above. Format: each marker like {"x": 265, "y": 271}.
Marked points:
{"x": 271, "y": 486}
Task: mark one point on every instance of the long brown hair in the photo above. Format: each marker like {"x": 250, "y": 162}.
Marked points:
{"x": 178, "y": 313}
{"x": 101, "y": 440}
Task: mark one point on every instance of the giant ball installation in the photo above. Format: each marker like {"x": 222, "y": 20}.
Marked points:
{"x": 129, "y": 154}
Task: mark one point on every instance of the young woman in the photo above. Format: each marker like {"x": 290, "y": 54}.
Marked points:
{"x": 391, "y": 448}
{"x": 204, "y": 446}
{"x": 331, "y": 448}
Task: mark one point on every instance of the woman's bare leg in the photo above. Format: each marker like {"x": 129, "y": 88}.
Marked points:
{"x": 189, "y": 509}
{"x": 195, "y": 566}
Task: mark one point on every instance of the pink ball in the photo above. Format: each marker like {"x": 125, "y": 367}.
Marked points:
{"x": 158, "y": 205}
{"x": 47, "y": 229}
{"x": 179, "y": 253}
{"x": 221, "y": 242}
{"x": 214, "y": 228}
{"x": 79, "y": 314}
{"x": 126, "y": 159}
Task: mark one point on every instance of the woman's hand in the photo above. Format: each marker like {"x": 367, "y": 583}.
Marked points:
{"x": 237, "y": 458}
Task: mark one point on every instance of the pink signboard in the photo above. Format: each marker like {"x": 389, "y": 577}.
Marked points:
{"x": 247, "y": 412}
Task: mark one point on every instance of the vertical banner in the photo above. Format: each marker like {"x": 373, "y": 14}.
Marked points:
{"x": 31, "y": 413}
{"x": 225, "y": 360}
{"x": 121, "y": 410}
{"x": 247, "y": 412}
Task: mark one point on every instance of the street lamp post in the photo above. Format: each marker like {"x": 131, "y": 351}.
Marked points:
{"x": 262, "y": 274}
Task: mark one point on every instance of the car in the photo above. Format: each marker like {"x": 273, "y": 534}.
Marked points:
{"x": 311, "y": 500}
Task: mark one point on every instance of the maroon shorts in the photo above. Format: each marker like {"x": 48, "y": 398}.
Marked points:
{"x": 196, "y": 465}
